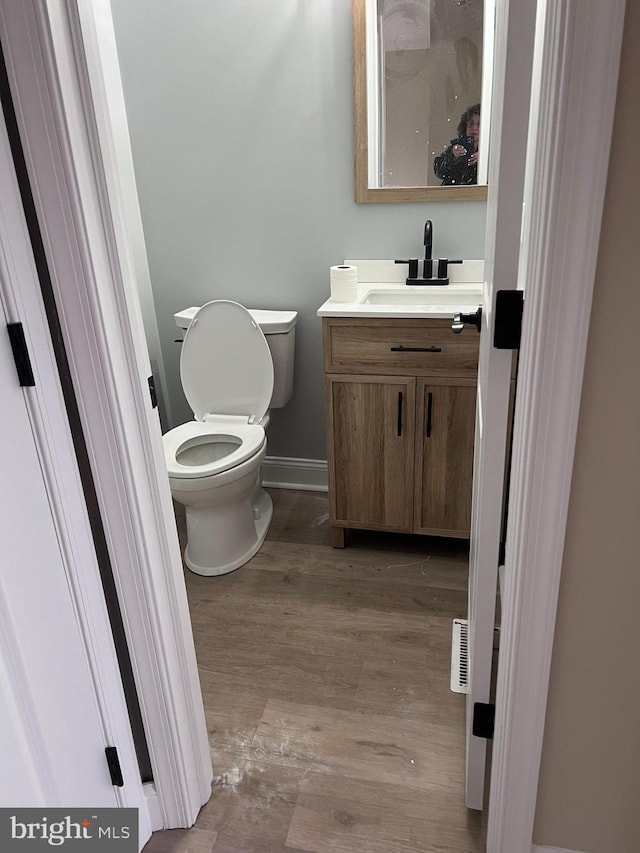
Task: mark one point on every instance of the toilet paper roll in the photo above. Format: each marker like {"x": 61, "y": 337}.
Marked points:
{"x": 344, "y": 283}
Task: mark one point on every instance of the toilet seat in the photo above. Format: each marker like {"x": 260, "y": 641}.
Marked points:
{"x": 178, "y": 442}
{"x": 227, "y": 377}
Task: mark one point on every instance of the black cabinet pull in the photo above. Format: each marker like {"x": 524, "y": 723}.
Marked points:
{"x": 415, "y": 349}
{"x": 427, "y": 430}
{"x": 399, "y": 412}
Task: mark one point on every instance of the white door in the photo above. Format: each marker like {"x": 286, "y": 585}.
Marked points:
{"x": 49, "y": 716}
{"x": 515, "y": 26}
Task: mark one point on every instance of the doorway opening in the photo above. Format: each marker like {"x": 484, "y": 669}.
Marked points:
{"x": 325, "y": 675}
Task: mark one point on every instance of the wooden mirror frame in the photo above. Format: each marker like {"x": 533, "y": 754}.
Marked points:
{"x": 364, "y": 193}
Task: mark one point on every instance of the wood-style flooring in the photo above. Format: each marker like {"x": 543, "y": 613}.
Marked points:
{"x": 325, "y": 676}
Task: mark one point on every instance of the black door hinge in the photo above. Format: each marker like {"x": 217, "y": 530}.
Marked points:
{"x": 484, "y": 715}
{"x": 507, "y": 328}
{"x": 21, "y": 355}
{"x": 113, "y": 763}
{"x": 152, "y": 392}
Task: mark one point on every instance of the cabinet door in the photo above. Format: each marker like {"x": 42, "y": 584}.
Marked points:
{"x": 370, "y": 421}
{"x": 445, "y": 426}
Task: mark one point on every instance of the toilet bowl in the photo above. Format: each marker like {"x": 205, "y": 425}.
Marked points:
{"x": 214, "y": 461}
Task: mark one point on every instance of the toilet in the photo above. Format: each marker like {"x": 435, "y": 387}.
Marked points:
{"x": 232, "y": 373}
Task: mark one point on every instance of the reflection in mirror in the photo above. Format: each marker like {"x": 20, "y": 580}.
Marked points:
{"x": 417, "y": 70}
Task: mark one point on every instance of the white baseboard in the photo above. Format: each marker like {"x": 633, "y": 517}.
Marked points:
{"x": 541, "y": 849}
{"x": 281, "y": 472}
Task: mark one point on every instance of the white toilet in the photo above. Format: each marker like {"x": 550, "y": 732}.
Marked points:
{"x": 231, "y": 376}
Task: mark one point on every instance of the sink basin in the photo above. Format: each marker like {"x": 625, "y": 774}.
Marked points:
{"x": 425, "y": 296}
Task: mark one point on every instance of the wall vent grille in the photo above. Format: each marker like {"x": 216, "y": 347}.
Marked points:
{"x": 460, "y": 656}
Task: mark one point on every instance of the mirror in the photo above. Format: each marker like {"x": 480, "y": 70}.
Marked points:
{"x": 417, "y": 68}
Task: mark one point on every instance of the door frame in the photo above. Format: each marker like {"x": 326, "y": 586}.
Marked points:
{"x": 89, "y": 258}
{"x": 577, "y": 58}
{"x": 21, "y": 301}
{"x": 576, "y": 64}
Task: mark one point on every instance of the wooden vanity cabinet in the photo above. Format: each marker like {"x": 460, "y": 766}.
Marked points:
{"x": 400, "y": 405}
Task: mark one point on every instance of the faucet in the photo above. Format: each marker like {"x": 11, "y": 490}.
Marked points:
{"x": 427, "y": 270}
{"x": 442, "y": 277}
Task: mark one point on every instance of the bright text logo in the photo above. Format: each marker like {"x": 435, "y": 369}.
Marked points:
{"x": 86, "y": 830}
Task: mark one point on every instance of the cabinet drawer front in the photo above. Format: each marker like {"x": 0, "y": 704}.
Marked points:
{"x": 418, "y": 347}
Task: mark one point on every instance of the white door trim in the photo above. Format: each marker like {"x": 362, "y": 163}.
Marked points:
{"x": 21, "y": 301}
{"x": 576, "y": 64}
{"x": 86, "y": 247}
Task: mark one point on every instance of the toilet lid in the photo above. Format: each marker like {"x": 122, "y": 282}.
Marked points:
{"x": 225, "y": 364}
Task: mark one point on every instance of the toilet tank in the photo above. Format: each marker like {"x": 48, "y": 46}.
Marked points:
{"x": 279, "y": 328}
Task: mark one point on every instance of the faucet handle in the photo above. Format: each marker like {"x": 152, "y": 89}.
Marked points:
{"x": 413, "y": 267}
{"x": 443, "y": 264}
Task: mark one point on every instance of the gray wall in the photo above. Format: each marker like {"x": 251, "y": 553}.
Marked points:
{"x": 240, "y": 116}
{"x": 590, "y": 773}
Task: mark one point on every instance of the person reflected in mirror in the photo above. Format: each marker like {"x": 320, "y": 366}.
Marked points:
{"x": 458, "y": 163}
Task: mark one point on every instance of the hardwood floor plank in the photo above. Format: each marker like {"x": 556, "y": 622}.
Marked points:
{"x": 299, "y": 517}
{"x": 336, "y": 633}
{"x": 373, "y": 747}
{"x": 412, "y": 692}
{"x": 346, "y": 815}
{"x": 243, "y": 675}
{"x": 284, "y": 588}
{"x": 259, "y": 808}
{"x": 238, "y": 682}
{"x": 193, "y": 840}
{"x": 365, "y": 563}
{"x": 236, "y": 691}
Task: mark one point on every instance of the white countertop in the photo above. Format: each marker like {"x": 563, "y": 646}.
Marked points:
{"x": 385, "y": 293}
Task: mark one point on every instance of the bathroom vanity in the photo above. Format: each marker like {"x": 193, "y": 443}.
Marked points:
{"x": 400, "y": 395}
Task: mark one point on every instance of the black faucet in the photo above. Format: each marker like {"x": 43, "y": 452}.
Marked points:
{"x": 427, "y": 267}
{"x": 442, "y": 277}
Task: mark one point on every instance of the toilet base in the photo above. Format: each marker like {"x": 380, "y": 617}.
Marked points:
{"x": 234, "y": 538}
